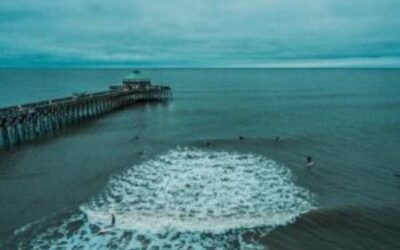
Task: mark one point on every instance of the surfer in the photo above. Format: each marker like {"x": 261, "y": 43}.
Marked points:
{"x": 108, "y": 229}
{"x": 112, "y": 220}
{"x": 277, "y": 139}
{"x": 310, "y": 162}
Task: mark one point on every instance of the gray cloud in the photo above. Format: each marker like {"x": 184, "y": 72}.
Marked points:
{"x": 199, "y": 33}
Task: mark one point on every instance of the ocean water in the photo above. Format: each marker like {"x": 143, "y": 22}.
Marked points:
{"x": 150, "y": 165}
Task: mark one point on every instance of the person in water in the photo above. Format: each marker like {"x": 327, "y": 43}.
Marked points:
{"x": 112, "y": 220}
{"x": 310, "y": 162}
{"x": 108, "y": 228}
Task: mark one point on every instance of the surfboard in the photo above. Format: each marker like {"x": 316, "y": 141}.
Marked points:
{"x": 105, "y": 230}
{"x": 310, "y": 164}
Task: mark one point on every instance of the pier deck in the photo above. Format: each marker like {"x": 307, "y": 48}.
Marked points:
{"x": 23, "y": 123}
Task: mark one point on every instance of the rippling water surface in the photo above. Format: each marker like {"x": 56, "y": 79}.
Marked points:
{"x": 151, "y": 168}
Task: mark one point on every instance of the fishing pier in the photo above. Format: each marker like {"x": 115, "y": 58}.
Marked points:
{"x": 24, "y": 123}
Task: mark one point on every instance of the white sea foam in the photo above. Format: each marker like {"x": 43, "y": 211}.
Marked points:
{"x": 186, "y": 198}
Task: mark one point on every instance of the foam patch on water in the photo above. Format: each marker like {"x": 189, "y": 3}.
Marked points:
{"x": 186, "y": 199}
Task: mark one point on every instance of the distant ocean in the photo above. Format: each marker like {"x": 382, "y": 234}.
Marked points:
{"x": 177, "y": 176}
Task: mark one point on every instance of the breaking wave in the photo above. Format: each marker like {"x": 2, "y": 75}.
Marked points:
{"x": 183, "y": 199}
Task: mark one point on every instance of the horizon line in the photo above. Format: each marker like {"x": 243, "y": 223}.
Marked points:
{"x": 197, "y": 67}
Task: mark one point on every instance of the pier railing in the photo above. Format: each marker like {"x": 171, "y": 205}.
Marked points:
{"x": 23, "y": 123}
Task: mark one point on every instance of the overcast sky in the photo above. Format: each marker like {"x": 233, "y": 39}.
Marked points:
{"x": 200, "y": 33}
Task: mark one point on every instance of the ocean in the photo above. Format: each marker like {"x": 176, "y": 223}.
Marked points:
{"x": 206, "y": 171}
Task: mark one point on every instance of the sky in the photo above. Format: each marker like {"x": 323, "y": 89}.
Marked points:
{"x": 199, "y": 33}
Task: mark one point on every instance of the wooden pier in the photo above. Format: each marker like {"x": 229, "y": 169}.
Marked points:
{"x": 24, "y": 123}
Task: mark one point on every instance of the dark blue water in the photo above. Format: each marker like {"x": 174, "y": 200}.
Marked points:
{"x": 249, "y": 193}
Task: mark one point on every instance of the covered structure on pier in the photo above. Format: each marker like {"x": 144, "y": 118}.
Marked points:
{"x": 136, "y": 79}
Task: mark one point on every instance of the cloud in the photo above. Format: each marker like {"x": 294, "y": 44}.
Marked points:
{"x": 197, "y": 33}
